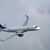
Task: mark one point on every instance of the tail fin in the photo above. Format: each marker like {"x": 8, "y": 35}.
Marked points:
{"x": 26, "y": 22}
{"x": 2, "y": 27}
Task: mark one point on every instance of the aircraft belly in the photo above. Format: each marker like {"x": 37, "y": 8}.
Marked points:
{"x": 9, "y": 30}
{"x": 31, "y": 29}
{"x": 14, "y": 30}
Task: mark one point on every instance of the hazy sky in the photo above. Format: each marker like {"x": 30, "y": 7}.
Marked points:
{"x": 12, "y": 13}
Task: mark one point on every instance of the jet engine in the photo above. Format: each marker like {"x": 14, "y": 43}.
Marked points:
{"x": 20, "y": 35}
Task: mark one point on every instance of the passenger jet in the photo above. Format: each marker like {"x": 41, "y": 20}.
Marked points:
{"x": 19, "y": 31}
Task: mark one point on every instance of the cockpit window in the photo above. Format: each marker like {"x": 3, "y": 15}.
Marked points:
{"x": 35, "y": 26}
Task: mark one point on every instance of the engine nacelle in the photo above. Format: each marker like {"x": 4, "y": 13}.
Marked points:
{"x": 20, "y": 35}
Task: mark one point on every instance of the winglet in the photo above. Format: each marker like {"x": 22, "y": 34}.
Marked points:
{"x": 26, "y": 16}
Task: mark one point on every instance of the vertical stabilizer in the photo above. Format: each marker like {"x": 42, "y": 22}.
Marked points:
{"x": 2, "y": 27}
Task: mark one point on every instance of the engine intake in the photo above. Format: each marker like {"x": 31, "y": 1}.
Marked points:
{"x": 20, "y": 35}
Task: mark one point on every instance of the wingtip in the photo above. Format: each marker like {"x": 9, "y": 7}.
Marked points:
{"x": 1, "y": 40}
{"x": 27, "y": 16}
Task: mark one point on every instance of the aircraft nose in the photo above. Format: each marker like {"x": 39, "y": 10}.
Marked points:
{"x": 38, "y": 27}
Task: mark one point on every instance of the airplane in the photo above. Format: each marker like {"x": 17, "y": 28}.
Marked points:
{"x": 19, "y": 31}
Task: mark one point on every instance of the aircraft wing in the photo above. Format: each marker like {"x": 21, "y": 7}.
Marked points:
{"x": 26, "y": 21}
{"x": 7, "y": 38}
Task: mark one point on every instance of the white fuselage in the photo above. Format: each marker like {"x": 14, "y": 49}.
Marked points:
{"x": 23, "y": 29}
